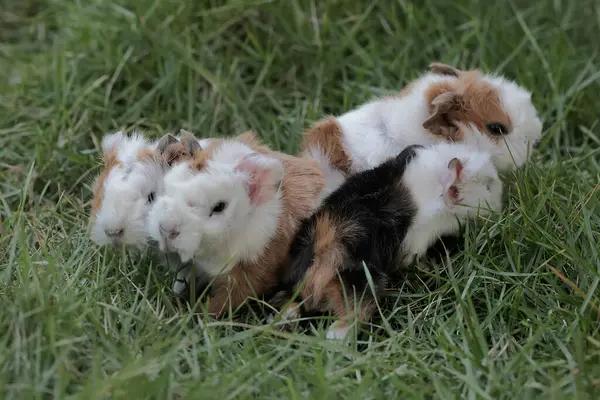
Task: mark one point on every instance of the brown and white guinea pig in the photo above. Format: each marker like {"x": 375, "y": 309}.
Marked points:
{"x": 131, "y": 179}
{"x": 487, "y": 112}
{"x": 233, "y": 209}
{"x": 386, "y": 217}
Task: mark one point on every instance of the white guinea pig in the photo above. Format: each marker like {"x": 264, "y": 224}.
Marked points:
{"x": 487, "y": 112}
{"x": 209, "y": 203}
{"x": 234, "y": 209}
{"x": 132, "y": 177}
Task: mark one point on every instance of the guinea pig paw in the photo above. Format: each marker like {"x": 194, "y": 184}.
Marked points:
{"x": 181, "y": 283}
{"x": 185, "y": 256}
{"x": 287, "y": 321}
{"x": 180, "y": 287}
{"x": 270, "y": 319}
{"x": 291, "y": 314}
{"x": 337, "y": 331}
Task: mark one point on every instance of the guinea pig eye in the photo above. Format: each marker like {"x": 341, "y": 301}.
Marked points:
{"x": 150, "y": 198}
{"x": 496, "y": 129}
{"x": 218, "y": 208}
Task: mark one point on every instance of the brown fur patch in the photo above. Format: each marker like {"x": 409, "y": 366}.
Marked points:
{"x": 109, "y": 160}
{"x": 327, "y": 136}
{"x": 329, "y": 257}
{"x": 300, "y": 188}
{"x": 437, "y": 89}
{"x": 172, "y": 154}
{"x": 250, "y": 138}
{"x": 201, "y": 158}
{"x": 325, "y": 233}
{"x": 406, "y": 90}
{"x": 175, "y": 153}
{"x": 147, "y": 155}
{"x": 468, "y": 99}
{"x": 319, "y": 275}
{"x": 347, "y": 305}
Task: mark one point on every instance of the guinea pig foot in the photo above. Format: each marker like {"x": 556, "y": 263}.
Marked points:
{"x": 288, "y": 320}
{"x": 182, "y": 279}
{"x": 180, "y": 286}
{"x": 291, "y": 313}
{"x": 338, "y": 331}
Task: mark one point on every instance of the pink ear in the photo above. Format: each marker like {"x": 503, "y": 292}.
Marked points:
{"x": 452, "y": 193}
{"x": 264, "y": 176}
{"x": 456, "y": 167}
{"x": 111, "y": 141}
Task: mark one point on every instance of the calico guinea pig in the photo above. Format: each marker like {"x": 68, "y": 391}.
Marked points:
{"x": 386, "y": 217}
{"x": 487, "y": 112}
{"x": 233, "y": 209}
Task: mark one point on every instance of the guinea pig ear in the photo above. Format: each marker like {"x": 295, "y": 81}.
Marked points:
{"x": 443, "y": 69}
{"x": 165, "y": 141}
{"x": 444, "y": 108}
{"x": 249, "y": 138}
{"x": 111, "y": 141}
{"x": 190, "y": 142}
{"x": 265, "y": 175}
{"x": 451, "y": 192}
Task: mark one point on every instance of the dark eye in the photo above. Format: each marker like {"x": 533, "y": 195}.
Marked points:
{"x": 497, "y": 129}
{"x": 218, "y": 208}
{"x": 150, "y": 198}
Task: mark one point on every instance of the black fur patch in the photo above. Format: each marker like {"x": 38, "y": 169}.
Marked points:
{"x": 445, "y": 246}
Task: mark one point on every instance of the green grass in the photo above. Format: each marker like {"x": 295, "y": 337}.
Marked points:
{"x": 514, "y": 315}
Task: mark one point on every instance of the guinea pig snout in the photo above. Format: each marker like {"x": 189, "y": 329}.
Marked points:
{"x": 115, "y": 235}
{"x": 168, "y": 231}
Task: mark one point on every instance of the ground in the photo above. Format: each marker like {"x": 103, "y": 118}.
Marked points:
{"x": 513, "y": 315}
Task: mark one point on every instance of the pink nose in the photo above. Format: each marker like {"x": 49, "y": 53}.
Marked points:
{"x": 115, "y": 235}
{"x": 168, "y": 233}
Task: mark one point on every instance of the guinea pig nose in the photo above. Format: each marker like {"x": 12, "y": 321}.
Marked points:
{"x": 115, "y": 234}
{"x": 168, "y": 233}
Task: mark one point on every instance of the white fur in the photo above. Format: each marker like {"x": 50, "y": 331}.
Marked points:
{"x": 125, "y": 203}
{"x": 239, "y": 233}
{"x": 337, "y": 331}
{"x": 515, "y": 148}
{"x": 332, "y": 176}
{"x": 428, "y": 177}
{"x": 382, "y": 128}
{"x": 112, "y": 141}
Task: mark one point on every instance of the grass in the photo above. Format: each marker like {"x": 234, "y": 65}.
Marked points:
{"x": 514, "y": 315}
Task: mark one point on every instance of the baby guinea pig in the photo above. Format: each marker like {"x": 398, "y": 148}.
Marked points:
{"x": 487, "y": 112}
{"x": 387, "y": 217}
{"x": 132, "y": 177}
{"x": 234, "y": 209}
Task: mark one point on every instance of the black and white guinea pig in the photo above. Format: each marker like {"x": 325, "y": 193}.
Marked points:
{"x": 386, "y": 217}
